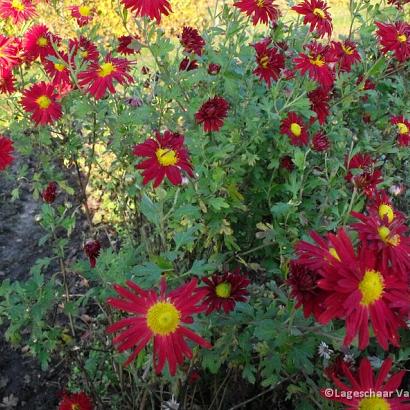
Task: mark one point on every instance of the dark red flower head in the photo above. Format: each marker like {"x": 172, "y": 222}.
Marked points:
{"x": 6, "y": 151}
{"x": 7, "y": 81}
{"x": 270, "y": 61}
{"x": 223, "y": 291}
{"x": 149, "y": 8}
{"x": 319, "y": 103}
{"x": 38, "y": 42}
{"x": 40, "y": 101}
{"x": 192, "y": 41}
{"x": 317, "y": 15}
{"x": 294, "y": 127}
{"x": 395, "y": 37}
{"x": 92, "y": 249}
{"x": 304, "y": 288}
{"x": 212, "y": 114}
{"x": 83, "y": 14}
{"x": 362, "y": 173}
{"x": 98, "y": 78}
{"x": 263, "y": 11}
{"x": 58, "y": 69}
{"x": 50, "y": 192}
{"x": 83, "y": 49}
{"x": 17, "y": 10}
{"x": 75, "y": 401}
{"x": 188, "y": 65}
{"x": 367, "y": 391}
{"x": 315, "y": 62}
{"x": 287, "y": 163}
{"x": 128, "y": 45}
{"x": 320, "y": 142}
{"x": 346, "y": 54}
{"x": 214, "y": 69}
{"x": 403, "y": 130}
{"x": 8, "y": 52}
{"x": 167, "y": 157}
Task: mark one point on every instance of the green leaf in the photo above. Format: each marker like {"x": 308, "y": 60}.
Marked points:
{"x": 150, "y": 210}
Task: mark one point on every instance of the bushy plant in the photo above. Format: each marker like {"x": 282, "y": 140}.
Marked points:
{"x": 191, "y": 168}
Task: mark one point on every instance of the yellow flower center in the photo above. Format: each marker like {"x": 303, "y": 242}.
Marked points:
{"x": 163, "y": 318}
{"x": 166, "y": 156}
{"x": 84, "y": 11}
{"x": 318, "y": 60}
{"x": 348, "y": 50}
{"x": 373, "y": 403}
{"x": 43, "y": 102}
{"x": 59, "y": 66}
{"x": 105, "y": 70}
{"x": 403, "y": 128}
{"x": 260, "y": 3}
{"x": 75, "y": 406}
{"x": 334, "y": 253}
{"x": 371, "y": 286}
{"x": 296, "y": 129}
{"x": 386, "y": 210}
{"x": 17, "y": 5}
{"x": 264, "y": 61}
{"x": 319, "y": 13}
{"x": 384, "y": 233}
{"x": 42, "y": 41}
{"x": 84, "y": 54}
{"x": 223, "y": 290}
{"x": 402, "y": 38}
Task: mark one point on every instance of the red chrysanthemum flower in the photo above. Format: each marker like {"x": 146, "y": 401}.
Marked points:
{"x": 270, "y": 61}
{"x": 317, "y": 15}
{"x": 58, "y": 69}
{"x": 150, "y": 8}
{"x": 322, "y": 253}
{"x": 381, "y": 206}
{"x": 158, "y": 317}
{"x": 188, "y": 65}
{"x": 83, "y": 14}
{"x": 303, "y": 284}
{"x": 403, "y": 130}
{"x": 84, "y": 48}
{"x": 365, "y": 176}
{"x": 223, "y": 291}
{"x": 97, "y": 78}
{"x": 294, "y": 127}
{"x": 263, "y": 11}
{"x": 286, "y": 162}
{"x": 128, "y": 45}
{"x": 40, "y": 101}
{"x": 368, "y": 391}
{"x": 7, "y": 81}
{"x": 398, "y": 3}
{"x": 50, "y": 192}
{"x": 75, "y": 401}
{"x": 92, "y": 249}
{"x": 6, "y": 151}
{"x": 346, "y": 54}
{"x": 212, "y": 114}
{"x": 395, "y": 37}
{"x": 319, "y": 103}
{"x": 17, "y": 10}
{"x": 8, "y": 52}
{"x": 387, "y": 237}
{"x": 315, "y": 63}
{"x": 214, "y": 69}
{"x": 38, "y": 42}
{"x": 192, "y": 41}
{"x": 360, "y": 291}
{"x": 320, "y": 142}
{"x": 167, "y": 157}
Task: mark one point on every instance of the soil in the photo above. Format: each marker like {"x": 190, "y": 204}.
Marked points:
{"x": 22, "y": 383}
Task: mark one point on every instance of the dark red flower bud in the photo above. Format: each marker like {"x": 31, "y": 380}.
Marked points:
{"x": 287, "y": 163}
{"x": 188, "y": 65}
{"x": 320, "y": 142}
{"x": 214, "y": 69}
{"x": 92, "y": 250}
{"x": 50, "y": 192}
{"x": 145, "y": 70}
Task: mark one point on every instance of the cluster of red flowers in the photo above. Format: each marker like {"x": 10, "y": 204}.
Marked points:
{"x": 75, "y": 401}
{"x": 369, "y": 285}
{"x": 6, "y": 152}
